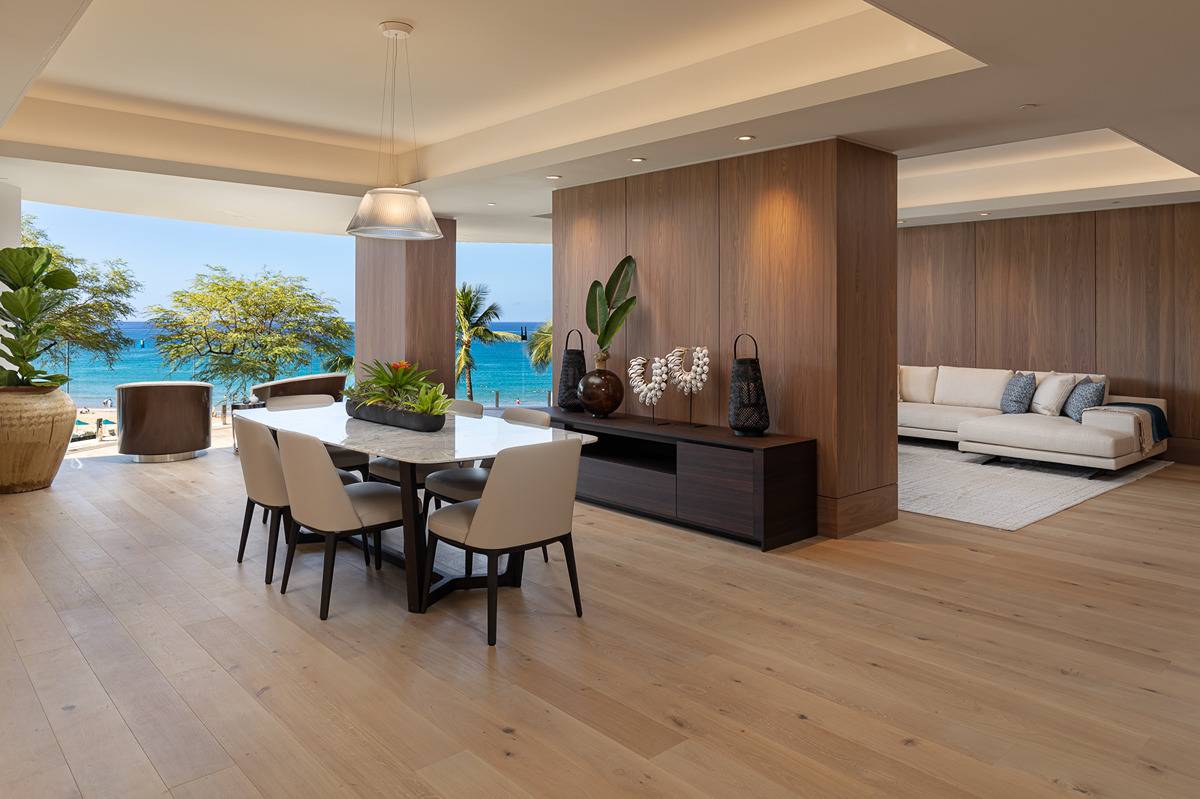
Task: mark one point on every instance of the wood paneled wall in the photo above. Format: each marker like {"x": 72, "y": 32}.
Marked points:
{"x": 1115, "y": 292}
{"x": 795, "y": 246}
{"x": 404, "y": 301}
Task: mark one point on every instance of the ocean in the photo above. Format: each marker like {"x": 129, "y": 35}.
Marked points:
{"x": 500, "y": 368}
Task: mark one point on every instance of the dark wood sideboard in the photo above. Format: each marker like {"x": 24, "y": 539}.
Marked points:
{"x": 762, "y": 490}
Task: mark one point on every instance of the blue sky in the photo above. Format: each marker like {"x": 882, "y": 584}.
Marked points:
{"x": 165, "y": 253}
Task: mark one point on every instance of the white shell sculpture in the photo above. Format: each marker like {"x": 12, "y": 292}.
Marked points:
{"x": 648, "y": 392}
{"x": 692, "y": 380}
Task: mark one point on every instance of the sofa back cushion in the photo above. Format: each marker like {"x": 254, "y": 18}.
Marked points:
{"x": 1051, "y": 393}
{"x": 972, "y": 388}
{"x": 1078, "y": 378}
{"x": 917, "y": 383}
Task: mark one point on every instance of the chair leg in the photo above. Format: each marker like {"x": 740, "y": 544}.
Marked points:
{"x": 293, "y": 539}
{"x": 378, "y": 550}
{"x": 425, "y": 507}
{"x": 246, "y": 528}
{"x": 366, "y": 549}
{"x": 430, "y": 552}
{"x": 569, "y": 552}
{"x": 437, "y": 502}
{"x": 265, "y": 511}
{"x": 469, "y": 565}
{"x": 493, "y": 586}
{"x": 545, "y": 554}
{"x": 327, "y": 574}
{"x": 272, "y": 544}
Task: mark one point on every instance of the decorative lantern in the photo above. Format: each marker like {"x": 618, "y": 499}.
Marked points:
{"x": 748, "y": 414}
{"x": 570, "y": 373}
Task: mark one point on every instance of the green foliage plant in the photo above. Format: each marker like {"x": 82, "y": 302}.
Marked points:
{"x": 609, "y": 304}
{"x": 37, "y": 291}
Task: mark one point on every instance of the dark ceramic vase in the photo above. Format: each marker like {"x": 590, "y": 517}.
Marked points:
{"x": 601, "y": 391}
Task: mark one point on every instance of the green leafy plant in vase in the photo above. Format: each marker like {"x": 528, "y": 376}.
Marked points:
{"x": 400, "y": 394}
{"x": 608, "y": 306}
{"x": 37, "y": 415}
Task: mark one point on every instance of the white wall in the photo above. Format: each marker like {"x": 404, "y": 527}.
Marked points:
{"x": 10, "y": 215}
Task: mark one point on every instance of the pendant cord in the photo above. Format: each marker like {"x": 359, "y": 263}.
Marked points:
{"x": 395, "y": 151}
{"x": 387, "y": 64}
{"x": 412, "y": 116}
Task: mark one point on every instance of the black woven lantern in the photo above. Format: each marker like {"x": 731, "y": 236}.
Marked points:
{"x": 748, "y": 414}
{"x": 570, "y": 373}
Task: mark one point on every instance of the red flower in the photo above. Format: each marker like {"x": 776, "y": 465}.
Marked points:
{"x": 401, "y": 365}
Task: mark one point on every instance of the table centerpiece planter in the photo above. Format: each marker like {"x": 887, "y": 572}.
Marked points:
{"x": 396, "y": 417}
{"x": 400, "y": 395}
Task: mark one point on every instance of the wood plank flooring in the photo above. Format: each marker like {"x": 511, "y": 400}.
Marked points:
{"x": 922, "y": 659}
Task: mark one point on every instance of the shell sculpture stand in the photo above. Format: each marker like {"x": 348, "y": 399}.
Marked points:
{"x": 648, "y": 392}
{"x": 688, "y": 381}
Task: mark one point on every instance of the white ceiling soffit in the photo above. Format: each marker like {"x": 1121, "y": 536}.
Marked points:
{"x": 1058, "y": 174}
{"x": 30, "y": 33}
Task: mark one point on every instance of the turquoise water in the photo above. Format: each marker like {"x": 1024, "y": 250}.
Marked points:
{"x": 498, "y": 367}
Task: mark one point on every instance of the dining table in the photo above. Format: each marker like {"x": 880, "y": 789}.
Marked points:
{"x": 463, "y": 439}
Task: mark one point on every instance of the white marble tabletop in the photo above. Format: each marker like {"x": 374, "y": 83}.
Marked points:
{"x": 463, "y": 438}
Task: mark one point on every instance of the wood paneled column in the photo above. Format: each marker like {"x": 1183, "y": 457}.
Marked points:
{"x": 808, "y": 265}
{"x": 404, "y": 302}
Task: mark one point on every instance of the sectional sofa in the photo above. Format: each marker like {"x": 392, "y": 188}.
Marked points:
{"x": 961, "y": 404}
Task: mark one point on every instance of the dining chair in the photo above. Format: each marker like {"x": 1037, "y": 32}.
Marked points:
{"x": 388, "y": 470}
{"x": 325, "y": 505}
{"x": 460, "y": 485}
{"x": 263, "y": 476}
{"x": 342, "y": 458}
{"x": 528, "y": 502}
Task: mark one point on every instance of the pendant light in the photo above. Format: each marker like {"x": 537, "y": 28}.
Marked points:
{"x": 395, "y": 212}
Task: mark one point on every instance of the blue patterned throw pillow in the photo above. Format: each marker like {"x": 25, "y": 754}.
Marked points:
{"x": 1018, "y": 393}
{"x": 1086, "y": 394}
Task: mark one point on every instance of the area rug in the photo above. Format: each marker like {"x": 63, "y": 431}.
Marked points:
{"x": 938, "y": 480}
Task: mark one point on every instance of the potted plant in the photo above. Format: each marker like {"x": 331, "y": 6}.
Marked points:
{"x": 399, "y": 394}
{"x": 36, "y": 416}
{"x": 608, "y": 305}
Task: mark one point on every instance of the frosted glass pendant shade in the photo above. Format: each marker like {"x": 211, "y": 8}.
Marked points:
{"x": 394, "y": 213}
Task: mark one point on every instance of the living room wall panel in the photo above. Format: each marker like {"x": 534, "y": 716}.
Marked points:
{"x": 935, "y": 271}
{"x": 672, "y": 228}
{"x": 589, "y": 240}
{"x": 1035, "y": 293}
{"x": 1135, "y": 303}
{"x": 1185, "y": 396}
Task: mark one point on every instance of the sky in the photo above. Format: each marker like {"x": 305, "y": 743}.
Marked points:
{"x": 165, "y": 253}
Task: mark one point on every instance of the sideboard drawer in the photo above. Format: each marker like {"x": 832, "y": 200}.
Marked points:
{"x": 715, "y": 488}
{"x": 626, "y": 485}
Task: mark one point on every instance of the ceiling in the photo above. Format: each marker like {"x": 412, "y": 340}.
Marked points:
{"x": 267, "y": 113}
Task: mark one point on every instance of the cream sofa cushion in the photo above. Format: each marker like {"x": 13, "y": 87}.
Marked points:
{"x": 1052, "y": 392}
{"x": 917, "y": 383}
{"x": 972, "y": 388}
{"x": 1049, "y": 433}
{"x": 927, "y": 416}
{"x": 1040, "y": 376}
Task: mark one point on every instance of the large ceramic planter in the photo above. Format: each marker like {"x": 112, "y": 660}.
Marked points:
{"x": 421, "y": 422}
{"x": 35, "y": 427}
{"x": 601, "y": 391}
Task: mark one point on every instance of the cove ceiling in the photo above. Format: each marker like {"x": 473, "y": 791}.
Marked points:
{"x": 266, "y": 114}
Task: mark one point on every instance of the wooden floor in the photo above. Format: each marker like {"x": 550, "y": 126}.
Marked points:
{"x": 923, "y": 659}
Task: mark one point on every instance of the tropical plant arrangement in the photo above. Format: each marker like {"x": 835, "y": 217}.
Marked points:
{"x": 398, "y": 393}
{"x": 38, "y": 416}
{"x": 608, "y": 306}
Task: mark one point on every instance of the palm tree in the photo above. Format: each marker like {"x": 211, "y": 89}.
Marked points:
{"x": 538, "y": 347}
{"x": 473, "y": 314}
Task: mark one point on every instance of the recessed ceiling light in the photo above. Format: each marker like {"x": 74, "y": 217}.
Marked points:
{"x": 553, "y": 177}
{"x": 746, "y": 137}
{"x": 899, "y": 221}
{"x": 1027, "y": 106}
{"x": 1116, "y": 202}
{"x": 637, "y": 159}
{"x": 985, "y": 213}
{"x": 492, "y": 204}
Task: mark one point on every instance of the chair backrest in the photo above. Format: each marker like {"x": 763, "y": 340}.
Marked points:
{"x": 291, "y": 402}
{"x": 261, "y": 470}
{"x": 526, "y": 416}
{"x": 529, "y": 495}
{"x": 319, "y": 499}
{"x": 466, "y": 407}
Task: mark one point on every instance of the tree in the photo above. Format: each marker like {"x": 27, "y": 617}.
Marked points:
{"x": 539, "y": 347}
{"x": 473, "y": 314}
{"x": 88, "y": 318}
{"x": 240, "y": 331}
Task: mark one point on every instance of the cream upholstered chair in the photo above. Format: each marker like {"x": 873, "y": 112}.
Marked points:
{"x": 460, "y": 485}
{"x": 529, "y": 501}
{"x": 342, "y": 458}
{"x": 263, "y": 476}
{"x": 388, "y": 470}
{"x": 323, "y": 504}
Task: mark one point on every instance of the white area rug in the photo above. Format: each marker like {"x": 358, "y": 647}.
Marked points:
{"x": 938, "y": 480}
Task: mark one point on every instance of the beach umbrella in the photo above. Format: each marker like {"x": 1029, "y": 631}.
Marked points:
{"x": 80, "y": 423}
